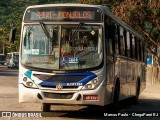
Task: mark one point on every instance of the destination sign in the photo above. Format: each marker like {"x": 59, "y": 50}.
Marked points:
{"x": 63, "y": 14}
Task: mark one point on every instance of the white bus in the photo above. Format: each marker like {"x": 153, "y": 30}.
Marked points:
{"x": 12, "y": 60}
{"x": 79, "y": 55}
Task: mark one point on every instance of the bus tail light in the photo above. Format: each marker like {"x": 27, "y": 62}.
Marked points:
{"x": 93, "y": 84}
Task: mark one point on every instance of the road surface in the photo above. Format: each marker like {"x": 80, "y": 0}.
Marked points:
{"x": 149, "y": 102}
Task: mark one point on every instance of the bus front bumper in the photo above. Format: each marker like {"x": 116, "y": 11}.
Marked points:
{"x": 83, "y": 97}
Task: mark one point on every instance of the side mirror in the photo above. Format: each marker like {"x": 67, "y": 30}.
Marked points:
{"x": 12, "y": 35}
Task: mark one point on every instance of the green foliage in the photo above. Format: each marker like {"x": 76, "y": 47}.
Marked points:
{"x": 137, "y": 13}
{"x": 11, "y": 15}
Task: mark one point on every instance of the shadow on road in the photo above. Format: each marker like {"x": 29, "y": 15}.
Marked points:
{"x": 91, "y": 112}
{"x": 144, "y": 107}
{"x": 4, "y": 71}
{"x": 8, "y": 74}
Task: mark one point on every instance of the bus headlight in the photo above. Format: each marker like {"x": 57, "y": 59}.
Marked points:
{"x": 93, "y": 84}
{"x": 25, "y": 79}
{"x": 29, "y": 83}
{"x": 88, "y": 86}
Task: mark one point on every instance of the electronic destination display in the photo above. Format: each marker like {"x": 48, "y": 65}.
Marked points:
{"x": 63, "y": 14}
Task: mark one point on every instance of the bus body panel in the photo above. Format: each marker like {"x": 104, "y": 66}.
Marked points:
{"x": 30, "y": 95}
{"x": 101, "y": 93}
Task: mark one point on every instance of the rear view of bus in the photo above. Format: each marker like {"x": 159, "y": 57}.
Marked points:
{"x": 62, "y": 56}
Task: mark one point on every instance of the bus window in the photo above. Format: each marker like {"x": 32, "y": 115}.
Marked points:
{"x": 133, "y": 46}
{"x": 113, "y": 35}
{"x": 122, "y": 41}
{"x": 140, "y": 54}
{"x": 131, "y": 50}
{"x": 141, "y": 50}
{"x": 109, "y": 46}
{"x": 138, "y": 49}
{"x": 117, "y": 41}
{"x": 84, "y": 50}
{"x": 125, "y": 42}
{"x": 128, "y": 45}
{"x": 84, "y": 47}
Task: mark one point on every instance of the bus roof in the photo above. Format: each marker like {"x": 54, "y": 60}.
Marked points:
{"x": 66, "y": 4}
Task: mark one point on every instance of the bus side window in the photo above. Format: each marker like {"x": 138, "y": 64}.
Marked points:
{"x": 132, "y": 46}
{"x": 109, "y": 51}
{"x": 125, "y": 42}
{"x": 131, "y": 51}
{"x": 128, "y": 45}
{"x": 116, "y": 39}
{"x": 109, "y": 42}
{"x": 144, "y": 51}
{"x": 141, "y": 50}
{"x": 122, "y": 41}
{"x": 138, "y": 49}
{"x": 140, "y": 54}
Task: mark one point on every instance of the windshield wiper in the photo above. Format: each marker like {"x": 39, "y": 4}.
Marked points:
{"x": 76, "y": 30}
{"x": 46, "y": 31}
{"x": 28, "y": 33}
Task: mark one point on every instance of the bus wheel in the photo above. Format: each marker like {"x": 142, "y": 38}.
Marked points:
{"x": 46, "y": 107}
{"x": 116, "y": 98}
{"x": 135, "y": 98}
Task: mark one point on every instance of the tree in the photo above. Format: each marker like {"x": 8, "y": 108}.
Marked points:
{"x": 11, "y": 15}
{"x": 142, "y": 15}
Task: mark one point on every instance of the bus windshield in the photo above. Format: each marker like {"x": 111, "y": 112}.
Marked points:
{"x": 60, "y": 47}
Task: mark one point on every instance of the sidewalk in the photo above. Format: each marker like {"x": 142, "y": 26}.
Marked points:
{"x": 152, "y": 91}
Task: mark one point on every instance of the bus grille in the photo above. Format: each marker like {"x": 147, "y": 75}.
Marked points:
{"x": 64, "y": 87}
{"x": 58, "y": 95}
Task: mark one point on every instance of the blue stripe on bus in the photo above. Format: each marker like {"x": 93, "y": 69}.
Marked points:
{"x": 28, "y": 74}
{"x": 89, "y": 77}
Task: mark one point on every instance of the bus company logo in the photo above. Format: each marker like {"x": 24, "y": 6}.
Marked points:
{"x": 59, "y": 87}
{"x": 6, "y": 114}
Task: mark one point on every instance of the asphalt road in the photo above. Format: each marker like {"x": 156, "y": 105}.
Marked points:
{"x": 149, "y": 103}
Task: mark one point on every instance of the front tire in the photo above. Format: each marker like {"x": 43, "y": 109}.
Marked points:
{"x": 46, "y": 107}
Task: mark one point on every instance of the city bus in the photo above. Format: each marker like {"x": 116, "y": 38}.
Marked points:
{"x": 12, "y": 60}
{"x": 79, "y": 54}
